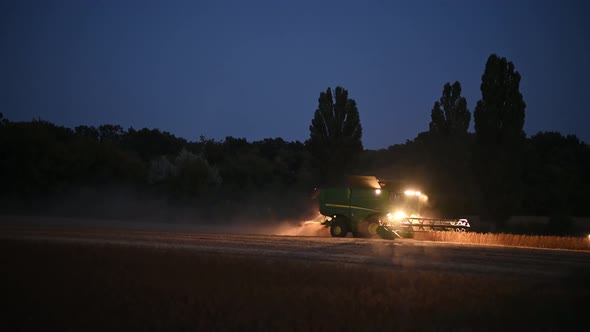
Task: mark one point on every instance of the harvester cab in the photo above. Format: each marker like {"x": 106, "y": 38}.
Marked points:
{"x": 367, "y": 207}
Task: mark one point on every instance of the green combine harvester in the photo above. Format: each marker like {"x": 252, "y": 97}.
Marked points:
{"x": 366, "y": 207}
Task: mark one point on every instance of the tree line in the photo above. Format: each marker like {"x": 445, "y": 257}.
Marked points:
{"x": 495, "y": 172}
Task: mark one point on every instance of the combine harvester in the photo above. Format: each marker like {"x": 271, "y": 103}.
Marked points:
{"x": 366, "y": 207}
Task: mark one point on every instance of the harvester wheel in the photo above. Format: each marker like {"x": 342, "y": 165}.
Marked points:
{"x": 338, "y": 228}
{"x": 372, "y": 228}
{"x": 368, "y": 228}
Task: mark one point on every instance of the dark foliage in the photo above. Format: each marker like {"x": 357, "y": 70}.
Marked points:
{"x": 556, "y": 174}
{"x": 335, "y": 134}
{"x": 449, "y": 157}
{"x": 450, "y": 116}
{"x": 43, "y": 162}
{"x": 499, "y": 120}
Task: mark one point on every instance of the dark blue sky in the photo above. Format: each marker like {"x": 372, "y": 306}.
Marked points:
{"x": 255, "y": 69}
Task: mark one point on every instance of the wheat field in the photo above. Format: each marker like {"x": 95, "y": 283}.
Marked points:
{"x": 502, "y": 239}
{"x": 84, "y": 287}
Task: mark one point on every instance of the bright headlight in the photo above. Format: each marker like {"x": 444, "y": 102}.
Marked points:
{"x": 399, "y": 215}
{"x": 412, "y": 193}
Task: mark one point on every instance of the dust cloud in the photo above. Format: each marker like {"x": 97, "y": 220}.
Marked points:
{"x": 125, "y": 208}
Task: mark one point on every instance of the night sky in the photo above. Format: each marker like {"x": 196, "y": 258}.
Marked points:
{"x": 255, "y": 69}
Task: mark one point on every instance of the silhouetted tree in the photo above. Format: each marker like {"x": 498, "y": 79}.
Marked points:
{"x": 148, "y": 144}
{"x": 3, "y": 121}
{"x": 87, "y": 132}
{"x": 288, "y": 160}
{"x": 450, "y": 115}
{"x": 499, "y": 119}
{"x": 110, "y": 133}
{"x": 335, "y": 134}
{"x": 191, "y": 174}
{"x": 448, "y": 155}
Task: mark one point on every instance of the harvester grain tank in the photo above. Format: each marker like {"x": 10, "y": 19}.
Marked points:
{"x": 367, "y": 207}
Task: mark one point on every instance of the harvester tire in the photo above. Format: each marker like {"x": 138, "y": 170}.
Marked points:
{"x": 367, "y": 228}
{"x": 338, "y": 228}
{"x": 372, "y": 227}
